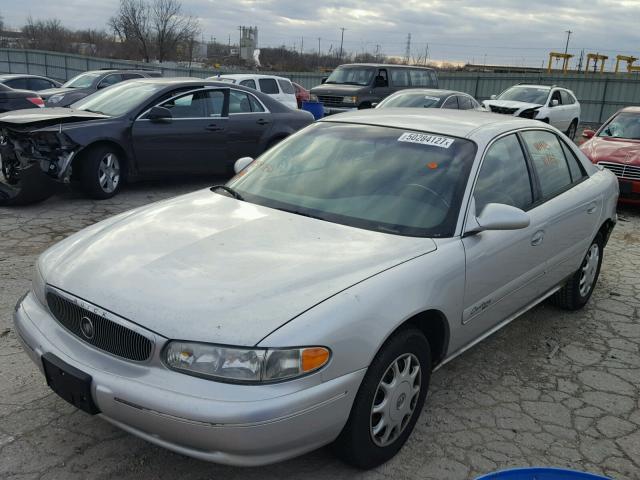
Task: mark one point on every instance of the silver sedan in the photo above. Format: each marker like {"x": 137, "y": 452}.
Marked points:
{"x": 308, "y": 300}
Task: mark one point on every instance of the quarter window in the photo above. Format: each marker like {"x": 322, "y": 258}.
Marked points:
{"x": 400, "y": 77}
{"x": 549, "y": 162}
{"x": 249, "y": 83}
{"x": 269, "y": 86}
{"x": 504, "y": 177}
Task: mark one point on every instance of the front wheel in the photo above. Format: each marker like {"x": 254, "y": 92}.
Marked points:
{"x": 388, "y": 402}
{"x": 23, "y": 186}
{"x": 577, "y": 291}
{"x": 573, "y": 128}
{"x": 100, "y": 171}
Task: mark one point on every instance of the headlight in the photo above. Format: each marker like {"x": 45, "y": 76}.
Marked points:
{"x": 529, "y": 112}
{"x": 55, "y": 98}
{"x": 38, "y": 285}
{"x": 313, "y": 97}
{"x": 350, "y": 99}
{"x": 245, "y": 365}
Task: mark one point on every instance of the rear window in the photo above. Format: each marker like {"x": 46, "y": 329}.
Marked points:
{"x": 285, "y": 86}
{"x": 268, "y": 85}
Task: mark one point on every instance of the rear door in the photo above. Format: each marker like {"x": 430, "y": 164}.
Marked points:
{"x": 192, "y": 141}
{"x": 248, "y": 128}
{"x": 504, "y": 268}
{"x": 566, "y": 201}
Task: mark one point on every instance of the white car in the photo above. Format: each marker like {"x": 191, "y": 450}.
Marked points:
{"x": 554, "y": 105}
{"x": 279, "y": 88}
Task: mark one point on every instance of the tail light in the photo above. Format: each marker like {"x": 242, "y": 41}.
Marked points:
{"x": 36, "y": 101}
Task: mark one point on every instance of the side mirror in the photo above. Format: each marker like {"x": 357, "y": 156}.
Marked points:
{"x": 493, "y": 97}
{"x": 497, "y": 216}
{"x": 374, "y": 104}
{"x": 323, "y": 79}
{"x": 588, "y": 133}
{"x": 159, "y": 113}
{"x": 241, "y": 164}
{"x": 554, "y": 103}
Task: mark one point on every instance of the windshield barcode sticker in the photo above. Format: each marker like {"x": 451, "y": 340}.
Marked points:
{"x": 424, "y": 139}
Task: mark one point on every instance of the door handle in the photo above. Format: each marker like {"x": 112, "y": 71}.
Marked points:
{"x": 537, "y": 238}
{"x": 213, "y": 128}
{"x": 262, "y": 121}
{"x": 591, "y": 208}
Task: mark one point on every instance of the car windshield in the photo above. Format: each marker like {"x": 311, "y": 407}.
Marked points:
{"x": 377, "y": 178}
{"x": 537, "y": 95}
{"x": 352, "y": 76}
{"x": 411, "y": 100}
{"x": 623, "y": 125}
{"x": 118, "y": 99}
{"x": 84, "y": 80}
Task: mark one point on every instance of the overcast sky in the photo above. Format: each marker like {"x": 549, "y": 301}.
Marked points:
{"x": 515, "y": 32}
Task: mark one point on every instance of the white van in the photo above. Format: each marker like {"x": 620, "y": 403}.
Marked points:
{"x": 279, "y": 88}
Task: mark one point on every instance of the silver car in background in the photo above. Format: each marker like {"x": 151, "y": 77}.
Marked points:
{"x": 308, "y": 300}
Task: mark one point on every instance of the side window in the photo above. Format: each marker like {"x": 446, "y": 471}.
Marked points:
{"x": 192, "y": 105}
{"x": 269, "y": 86}
{"x": 433, "y": 79}
{"x": 249, "y": 83}
{"x": 549, "y": 162}
{"x": 576, "y": 169}
{"x": 399, "y": 77}
{"x": 419, "y": 78}
{"x": 285, "y": 86}
{"x": 567, "y": 98}
{"x": 385, "y": 77}
{"x": 464, "y": 102}
{"x": 131, "y": 76}
{"x": 239, "y": 102}
{"x": 256, "y": 106}
{"x": 37, "y": 84}
{"x": 504, "y": 177}
{"x": 17, "y": 83}
{"x": 451, "y": 103}
{"x": 215, "y": 102}
{"x": 556, "y": 96}
{"x": 110, "y": 80}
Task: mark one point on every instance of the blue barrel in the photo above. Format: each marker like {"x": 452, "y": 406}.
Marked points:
{"x": 539, "y": 473}
{"x": 316, "y": 109}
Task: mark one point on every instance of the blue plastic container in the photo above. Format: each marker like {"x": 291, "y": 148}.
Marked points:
{"x": 316, "y": 109}
{"x": 539, "y": 473}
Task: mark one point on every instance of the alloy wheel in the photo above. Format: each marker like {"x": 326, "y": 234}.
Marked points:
{"x": 109, "y": 173}
{"x": 589, "y": 269}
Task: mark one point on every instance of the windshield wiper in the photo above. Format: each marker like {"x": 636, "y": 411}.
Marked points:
{"x": 229, "y": 190}
{"x": 301, "y": 213}
{"x": 95, "y": 111}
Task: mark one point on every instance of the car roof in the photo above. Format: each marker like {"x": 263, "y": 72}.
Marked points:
{"x": 242, "y": 76}
{"x": 457, "y": 123}
{"x": 633, "y": 109}
{"x": 8, "y": 76}
{"x": 168, "y": 81}
{"x": 385, "y": 65}
{"x": 430, "y": 91}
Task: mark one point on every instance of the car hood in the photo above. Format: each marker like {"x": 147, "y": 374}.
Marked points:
{"x": 46, "y": 116}
{"x": 210, "y": 268}
{"x": 618, "y": 150}
{"x": 511, "y": 104}
{"x": 337, "y": 89}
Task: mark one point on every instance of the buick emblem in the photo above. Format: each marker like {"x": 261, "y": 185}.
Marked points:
{"x": 86, "y": 328}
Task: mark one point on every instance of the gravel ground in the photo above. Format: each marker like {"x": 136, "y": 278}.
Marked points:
{"x": 553, "y": 388}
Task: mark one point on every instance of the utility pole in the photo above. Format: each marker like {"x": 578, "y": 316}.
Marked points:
{"x": 377, "y": 51}
{"x": 566, "y": 47}
{"x": 580, "y": 61}
{"x": 341, "y": 41}
{"x": 302, "y": 46}
{"x": 407, "y": 53}
{"x": 318, "y": 47}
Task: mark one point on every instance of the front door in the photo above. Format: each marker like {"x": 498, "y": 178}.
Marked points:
{"x": 193, "y": 140}
{"x": 504, "y": 268}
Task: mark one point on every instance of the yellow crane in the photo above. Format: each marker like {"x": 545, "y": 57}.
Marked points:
{"x": 565, "y": 57}
{"x": 630, "y": 61}
{"x": 596, "y": 57}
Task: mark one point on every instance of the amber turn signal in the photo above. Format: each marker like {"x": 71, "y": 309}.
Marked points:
{"x": 314, "y": 358}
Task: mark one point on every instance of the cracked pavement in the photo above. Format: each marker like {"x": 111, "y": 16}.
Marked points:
{"x": 553, "y": 388}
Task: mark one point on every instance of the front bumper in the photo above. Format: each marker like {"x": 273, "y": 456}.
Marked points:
{"x": 224, "y": 423}
{"x": 629, "y": 191}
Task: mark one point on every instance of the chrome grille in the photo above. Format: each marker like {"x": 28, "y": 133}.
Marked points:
{"x": 505, "y": 110}
{"x": 330, "y": 100}
{"x": 630, "y": 172}
{"x": 107, "y": 335}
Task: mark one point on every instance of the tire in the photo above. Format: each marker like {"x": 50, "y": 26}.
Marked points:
{"x": 357, "y": 444}
{"x": 573, "y": 128}
{"x": 30, "y": 185}
{"x": 577, "y": 291}
{"x": 101, "y": 171}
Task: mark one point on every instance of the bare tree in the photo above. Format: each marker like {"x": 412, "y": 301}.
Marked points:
{"x": 47, "y": 34}
{"x": 171, "y": 27}
{"x": 132, "y": 25}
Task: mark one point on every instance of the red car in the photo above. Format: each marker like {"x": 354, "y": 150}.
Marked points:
{"x": 616, "y": 147}
{"x": 302, "y": 94}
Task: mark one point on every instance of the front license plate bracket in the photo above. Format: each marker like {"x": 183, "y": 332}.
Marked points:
{"x": 69, "y": 383}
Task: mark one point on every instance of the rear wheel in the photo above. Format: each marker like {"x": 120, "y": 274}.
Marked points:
{"x": 573, "y": 128}
{"x": 20, "y": 186}
{"x": 577, "y": 291}
{"x": 388, "y": 402}
{"x": 100, "y": 171}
